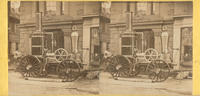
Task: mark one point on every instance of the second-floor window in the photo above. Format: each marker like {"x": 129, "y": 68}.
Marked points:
{"x": 62, "y": 8}
{"x": 145, "y": 8}
{"x": 50, "y": 7}
{"x": 142, "y": 8}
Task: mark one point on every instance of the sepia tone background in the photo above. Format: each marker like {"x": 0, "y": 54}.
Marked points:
{"x": 119, "y": 52}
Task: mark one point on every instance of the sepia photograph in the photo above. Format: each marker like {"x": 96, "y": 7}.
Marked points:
{"x": 100, "y": 48}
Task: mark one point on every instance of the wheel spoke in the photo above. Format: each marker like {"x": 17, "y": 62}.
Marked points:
{"x": 68, "y": 70}
{"x": 61, "y": 54}
{"x": 31, "y": 63}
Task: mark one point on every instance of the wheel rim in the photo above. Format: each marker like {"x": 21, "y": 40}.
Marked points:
{"x": 68, "y": 70}
{"x": 160, "y": 70}
{"x": 61, "y": 54}
{"x": 29, "y": 66}
{"x": 118, "y": 69}
{"x": 151, "y": 54}
{"x": 152, "y": 76}
{"x": 162, "y": 76}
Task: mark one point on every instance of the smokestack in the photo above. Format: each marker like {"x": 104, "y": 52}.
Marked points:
{"x": 129, "y": 21}
{"x": 39, "y": 21}
{"x": 129, "y": 17}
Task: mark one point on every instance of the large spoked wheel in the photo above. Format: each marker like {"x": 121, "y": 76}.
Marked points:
{"x": 29, "y": 66}
{"x": 61, "y": 54}
{"x": 118, "y": 66}
{"x": 151, "y": 54}
{"x": 68, "y": 70}
{"x": 160, "y": 71}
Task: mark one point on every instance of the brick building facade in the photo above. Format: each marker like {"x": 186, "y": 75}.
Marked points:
{"x": 148, "y": 21}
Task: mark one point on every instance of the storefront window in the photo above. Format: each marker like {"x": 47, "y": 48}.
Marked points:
{"x": 186, "y": 46}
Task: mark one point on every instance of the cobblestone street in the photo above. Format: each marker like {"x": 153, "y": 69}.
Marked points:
{"x": 170, "y": 87}
{"x": 105, "y": 85}
{"x": 18, "y": 86}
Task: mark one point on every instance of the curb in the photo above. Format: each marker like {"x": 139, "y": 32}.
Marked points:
{"x": 43, "y": 79}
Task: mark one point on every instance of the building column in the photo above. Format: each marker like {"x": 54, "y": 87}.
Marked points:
{"x": 176, "y": 45}
{"x": 86, "y": 46}
{"x": 157, "y": 40}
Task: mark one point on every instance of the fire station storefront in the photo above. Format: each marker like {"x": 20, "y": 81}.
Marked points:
{"x": 141, "y": 37}
{"x": 84, "y": 38}
{"x": 173, "y": 37}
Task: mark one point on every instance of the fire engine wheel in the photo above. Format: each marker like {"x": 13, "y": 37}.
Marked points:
{"x": 29, "y": 66}
{"x": 151, "y": 54}
{"x": 159, "y": 71}
{"x": 68, "y": 70}
{"x": 61, "y": 54}
{"x": 118, "y": 67}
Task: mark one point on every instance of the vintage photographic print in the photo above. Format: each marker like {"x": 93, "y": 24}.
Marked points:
{"x": 100, "y": 48}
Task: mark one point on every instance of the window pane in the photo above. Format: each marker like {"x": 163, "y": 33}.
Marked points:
{"x": 36, "y": 41}
{"x": 126, "y": 50}
{"x": 126, "y": 41}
